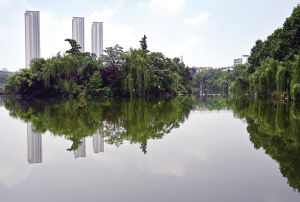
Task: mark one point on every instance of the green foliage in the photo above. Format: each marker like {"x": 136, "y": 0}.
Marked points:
{"x": 282, "y": 44}
{"x": 295, "y": 92}
{"x": 240, "y": 85}
{"x": 94, "y": 83}
{"x": 274, "y": 63}
{"x": 106, "y": 91}
{"x": 119, "y": 73}
{"x": 26, "y": 82}
{"x": 3, "y": 79}
{"x": 143, "y": 43}
{"x": 282, "y": 77}
{"x": 75, "y": 48}
{"x": 111, "y": 72}
{"x": 56, "y": 76}
{"x": 154, "y": 74}
{"x": 216, "y": 81}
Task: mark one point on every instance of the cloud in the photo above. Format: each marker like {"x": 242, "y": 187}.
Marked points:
{"x": 197, "y": 20}
{"x": 6, "y": 2}
{"x": 166, "y": 5}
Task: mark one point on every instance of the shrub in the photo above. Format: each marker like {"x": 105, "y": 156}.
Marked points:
{"x": 106, "y": 91}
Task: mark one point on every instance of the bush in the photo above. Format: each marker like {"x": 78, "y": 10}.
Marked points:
{"x": 106, "y": 91}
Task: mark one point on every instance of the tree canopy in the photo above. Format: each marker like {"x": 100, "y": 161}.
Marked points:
{"x": 116, "y": 73}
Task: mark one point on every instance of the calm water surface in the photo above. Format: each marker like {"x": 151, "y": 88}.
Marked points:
{"x": 180, "y": 149}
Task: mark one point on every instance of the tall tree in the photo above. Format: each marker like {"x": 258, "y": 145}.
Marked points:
{"x": 143, "y": 43}
{"x": 75, "y": 47}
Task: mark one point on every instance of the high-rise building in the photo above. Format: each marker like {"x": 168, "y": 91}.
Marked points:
{"x": 97, "y": 38}
{"x": 98, "y": 143}
{"x": 78, "y": 31}
{"x": 32, "y": 36}
{"x": 80, "y": 151}
{"x": 34, "y": 145}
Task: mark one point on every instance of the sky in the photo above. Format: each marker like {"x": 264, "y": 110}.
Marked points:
{"x": 204, "y": 32}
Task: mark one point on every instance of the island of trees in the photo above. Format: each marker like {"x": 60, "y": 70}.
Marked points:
{"x": 273, "y": 69}
{"x": 137, "y": 72}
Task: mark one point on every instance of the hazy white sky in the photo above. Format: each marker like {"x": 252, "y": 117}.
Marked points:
{"x": 204, "y": 32}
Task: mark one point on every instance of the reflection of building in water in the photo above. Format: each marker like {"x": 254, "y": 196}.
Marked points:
{"x": 80, "y": 151}
{"x": 34, "y": 145}
{"x": 98, "y": 143}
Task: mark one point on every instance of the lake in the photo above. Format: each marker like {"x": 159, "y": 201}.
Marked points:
{"x": 136, "y": 149}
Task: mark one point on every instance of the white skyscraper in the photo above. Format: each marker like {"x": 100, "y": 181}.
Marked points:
{"x": 97, "y": 38}
{"x": 98, "y": 143}
{"x": 80, "y": 151}
{"x": 34, "y": 145}
{"x": 32, "y": 36}
{"x": 78, "y": 31}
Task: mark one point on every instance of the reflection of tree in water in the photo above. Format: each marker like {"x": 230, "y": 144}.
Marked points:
{"x": 134, "y": 120}
{"x": 275, "y": 127}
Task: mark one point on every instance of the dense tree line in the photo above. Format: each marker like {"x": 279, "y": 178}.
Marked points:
{"x": 216, "y": 81}
{"x": 137, "y": 72}
{"x": 273, "y": 69}
{"x": 275, "y": 63}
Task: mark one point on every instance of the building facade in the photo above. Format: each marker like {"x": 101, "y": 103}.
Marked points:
{"x": 78, "y": 31}
{"x": 97, "y": 38}
{"x": 32, "y": 36}
{"x": 242, "y": 60}
{"x": 237, "y": 62}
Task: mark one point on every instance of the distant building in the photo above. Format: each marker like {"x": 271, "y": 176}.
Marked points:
{"x": 195, "y": 70}
{"x": 34, "y": 145}
{"x": 78, "y": 31}
{"x": 97, "y": 38}
{"x": 81, "y": 150}
{"x": 239, "y": 61}
{"x": 224, "y": 69}
{"x": 32, "y": 36}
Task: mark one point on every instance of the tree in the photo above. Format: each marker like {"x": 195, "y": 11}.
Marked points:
{"x": 111, "y": 72}
{"x": 93, "y": 86}
{"x": 143, "y": 43}
{"x": 75, "y": 47}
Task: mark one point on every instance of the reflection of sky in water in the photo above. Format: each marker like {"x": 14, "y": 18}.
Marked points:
{"x": 209, "y": 158}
